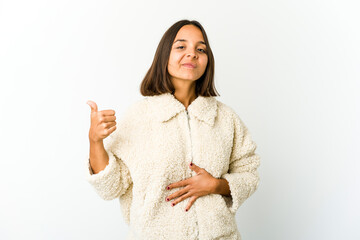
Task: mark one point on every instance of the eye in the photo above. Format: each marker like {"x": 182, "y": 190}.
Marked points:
{"x": 201, "y": 50}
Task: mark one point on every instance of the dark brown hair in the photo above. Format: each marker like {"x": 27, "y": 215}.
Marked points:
{"x": 157, "y": 79}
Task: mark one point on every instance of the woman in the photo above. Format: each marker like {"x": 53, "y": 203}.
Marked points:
{"x": 180, "y": 161}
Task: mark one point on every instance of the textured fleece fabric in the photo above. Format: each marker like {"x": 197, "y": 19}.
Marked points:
{"x": 152, "y": 147}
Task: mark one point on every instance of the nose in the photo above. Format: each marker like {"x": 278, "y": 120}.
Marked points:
{"x": 192, "y": 54}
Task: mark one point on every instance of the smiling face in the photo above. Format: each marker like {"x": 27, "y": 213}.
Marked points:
{"x": 188, "y": 57}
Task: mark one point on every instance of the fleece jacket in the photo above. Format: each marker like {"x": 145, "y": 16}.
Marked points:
{"x": 155, "y": 141}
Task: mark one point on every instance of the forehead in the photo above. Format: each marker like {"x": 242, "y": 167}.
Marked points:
{"x": 190, "y": 33}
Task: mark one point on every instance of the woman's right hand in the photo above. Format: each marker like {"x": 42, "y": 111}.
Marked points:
{"x": 102, "y": 123}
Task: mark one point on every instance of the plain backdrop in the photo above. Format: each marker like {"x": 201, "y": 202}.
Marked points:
{"x": 290, "y": 69}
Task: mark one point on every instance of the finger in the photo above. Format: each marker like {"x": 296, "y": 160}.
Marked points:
{"x": 190, "y": 203}
{"x": 108, "y": 125}
{"x": 179, "y": 184}
{"x": 108, "y": 130}
{"x": 178, "y": 193}
{"x": 112, "y": 129}
{"x": 179, "y": 199}
{"x": 195, "y": 168}
{"x": 93, "y": 106}
{"x": 108, "y": 112}
{"x": 106, "y": 119}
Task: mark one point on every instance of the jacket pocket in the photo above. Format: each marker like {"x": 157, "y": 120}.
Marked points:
{"x": 222, "y": 202}
{"x": 214, "y": 216}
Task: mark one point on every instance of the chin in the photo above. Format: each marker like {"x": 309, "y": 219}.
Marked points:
{"x": 192, "y": 78}
{"x": 188, "y": 78}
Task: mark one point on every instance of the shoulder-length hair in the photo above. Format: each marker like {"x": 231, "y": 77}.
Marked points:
{"x": 157, "y": 79}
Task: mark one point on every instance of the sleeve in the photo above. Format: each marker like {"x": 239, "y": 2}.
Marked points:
{"x": 242, "y": 176}
{"x": 113, "y": 181}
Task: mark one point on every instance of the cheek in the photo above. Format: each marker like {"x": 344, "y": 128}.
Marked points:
{"x": 204, "y": 63}
{"x": 173, "y": 66}
{"x": 174, "y": 59}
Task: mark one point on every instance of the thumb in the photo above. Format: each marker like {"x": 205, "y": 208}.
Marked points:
{"x": 93, "y": 106}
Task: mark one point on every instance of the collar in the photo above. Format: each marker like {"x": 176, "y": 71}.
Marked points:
{"x": 166, "y": 106}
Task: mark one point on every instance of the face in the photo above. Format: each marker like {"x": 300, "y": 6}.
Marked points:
{"x": 188, "y": 57}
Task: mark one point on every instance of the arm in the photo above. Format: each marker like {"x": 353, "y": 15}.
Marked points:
{"x": 99, "y": 159}
{"x": 242, "y": 177}
{"x": 106, "y": 172}
{"x": 222, "y": 187}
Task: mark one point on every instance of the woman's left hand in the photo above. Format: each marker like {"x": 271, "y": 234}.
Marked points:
{"x": 199, "y": 185}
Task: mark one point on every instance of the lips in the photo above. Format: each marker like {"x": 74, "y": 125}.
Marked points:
{"x": 189, "y": 65}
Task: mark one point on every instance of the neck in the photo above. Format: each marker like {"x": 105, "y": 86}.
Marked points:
{"x": 184, "y": 91}
{"x": 185, "y": 97}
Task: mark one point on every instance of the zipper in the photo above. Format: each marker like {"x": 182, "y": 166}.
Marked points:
{"x": 188, "y": 121}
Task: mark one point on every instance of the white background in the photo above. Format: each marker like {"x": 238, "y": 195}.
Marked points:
{"x": 289, "y": 68}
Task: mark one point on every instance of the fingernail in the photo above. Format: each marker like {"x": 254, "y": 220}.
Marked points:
{"x": 172, "y": 204}
{"x": 167, "y": 188}
{"x": 167, "y": 199}
{"x": 191, "y": 164}
{"x": 186, "y": 209}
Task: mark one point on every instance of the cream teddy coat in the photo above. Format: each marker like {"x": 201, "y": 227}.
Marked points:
{"x": 152, "y": 147}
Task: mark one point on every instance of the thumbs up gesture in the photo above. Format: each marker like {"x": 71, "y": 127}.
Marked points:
{"x": 102, "y": 123}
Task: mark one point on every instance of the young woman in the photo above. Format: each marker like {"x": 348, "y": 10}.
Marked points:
{"x": 180, "y": 161}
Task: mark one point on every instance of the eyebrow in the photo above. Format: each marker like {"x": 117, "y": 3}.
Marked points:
{"x": 184, "y": 40}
